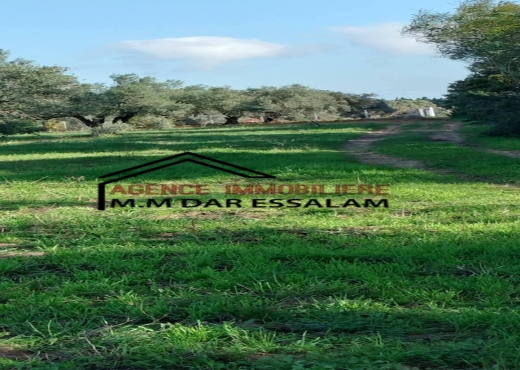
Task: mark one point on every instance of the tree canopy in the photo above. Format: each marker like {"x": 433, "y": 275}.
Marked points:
{"x": 485, "y": 34}
{"x": 30, "y": 91}
{"x": 25, "y": 88}
{"x": 129, "y": 96}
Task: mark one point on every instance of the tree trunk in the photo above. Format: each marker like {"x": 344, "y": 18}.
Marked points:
{"x": 271, "y": 116}
{"x": 94, "y": 122}
{"x": 233, "y": 120}
{"x": 125, "y": 117}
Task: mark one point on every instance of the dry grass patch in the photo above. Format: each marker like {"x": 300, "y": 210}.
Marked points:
{"x": 21, "y": 254}
{"x": 14, "y": 353}
{"x": 215, "y": 215}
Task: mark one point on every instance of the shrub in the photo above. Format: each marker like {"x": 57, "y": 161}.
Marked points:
{"x": 20, "y": 126}
{"x": 110, "y": 129}
{"x": 74, "y": 124}
{"x": 151, "y": 122}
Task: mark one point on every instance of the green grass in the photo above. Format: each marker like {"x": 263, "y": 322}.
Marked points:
{"x": 431, "y": 282}
{"x": 422, "y": 126}
{"x": 475, "y": 134}
{"x": 464, "y": 160}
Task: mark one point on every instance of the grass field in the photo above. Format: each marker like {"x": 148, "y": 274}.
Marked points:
{"x": 431, "y": 282}
{"x": 475, "y": 133}
{"x": 462, "y": 159}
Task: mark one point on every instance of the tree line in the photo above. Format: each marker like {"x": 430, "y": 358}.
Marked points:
{"x": 483, "y": 33}
{"x": 486, "y": 35}
{"x": 30, "y": 92}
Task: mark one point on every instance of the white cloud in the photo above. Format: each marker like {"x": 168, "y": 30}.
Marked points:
{"x": 385, "y": 37}
{"x": 207, "y": 51}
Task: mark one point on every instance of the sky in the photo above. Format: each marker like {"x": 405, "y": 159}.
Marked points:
{"x": 339, "y": 45}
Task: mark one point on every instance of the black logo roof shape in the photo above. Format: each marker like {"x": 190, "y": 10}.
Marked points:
{"x": 166, "y": 162}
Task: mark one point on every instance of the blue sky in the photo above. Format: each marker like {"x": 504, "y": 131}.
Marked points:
{"x": 340, "y": 45}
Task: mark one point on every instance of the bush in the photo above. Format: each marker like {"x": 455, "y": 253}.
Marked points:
{"x": 151, "y": 122}
{"x": 18, "y": 127}
{"x": 74, "y": 124}
{"x": 110, "y": 129}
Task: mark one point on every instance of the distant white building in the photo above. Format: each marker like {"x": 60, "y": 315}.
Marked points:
{"x": 423, "y": 112}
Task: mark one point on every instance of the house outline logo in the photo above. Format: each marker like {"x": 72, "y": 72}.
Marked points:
{"x": 102, "y": 185}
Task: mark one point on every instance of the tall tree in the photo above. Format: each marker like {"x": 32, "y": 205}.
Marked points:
{"x": 26, "y": 87}
{"x": 481, "y": 32}
{"x": 232, "y": 104}
{"x": 293, "y": 102}
{"x": 129, "y": 96}
{"x": 485, "y": 98}
{"x": 486, "y": 34}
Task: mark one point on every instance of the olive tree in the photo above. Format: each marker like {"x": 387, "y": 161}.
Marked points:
{"x": 27, "y": 89}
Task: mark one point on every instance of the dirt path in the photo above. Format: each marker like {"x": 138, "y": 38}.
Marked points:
{"x": 449, "y": 133}
{"x": 507, "y": 153}
{"x": 362, "y": 149}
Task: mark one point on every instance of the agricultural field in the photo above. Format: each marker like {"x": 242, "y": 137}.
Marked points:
{"x": 430, "y": 282}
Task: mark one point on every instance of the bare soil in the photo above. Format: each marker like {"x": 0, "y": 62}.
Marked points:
{"x": 362, "y": 149}
{"x": 14, "y": 354}
{"x": 449, "y": 134}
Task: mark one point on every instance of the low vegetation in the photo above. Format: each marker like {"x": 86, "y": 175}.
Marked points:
{"x": 431, "y": 282}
